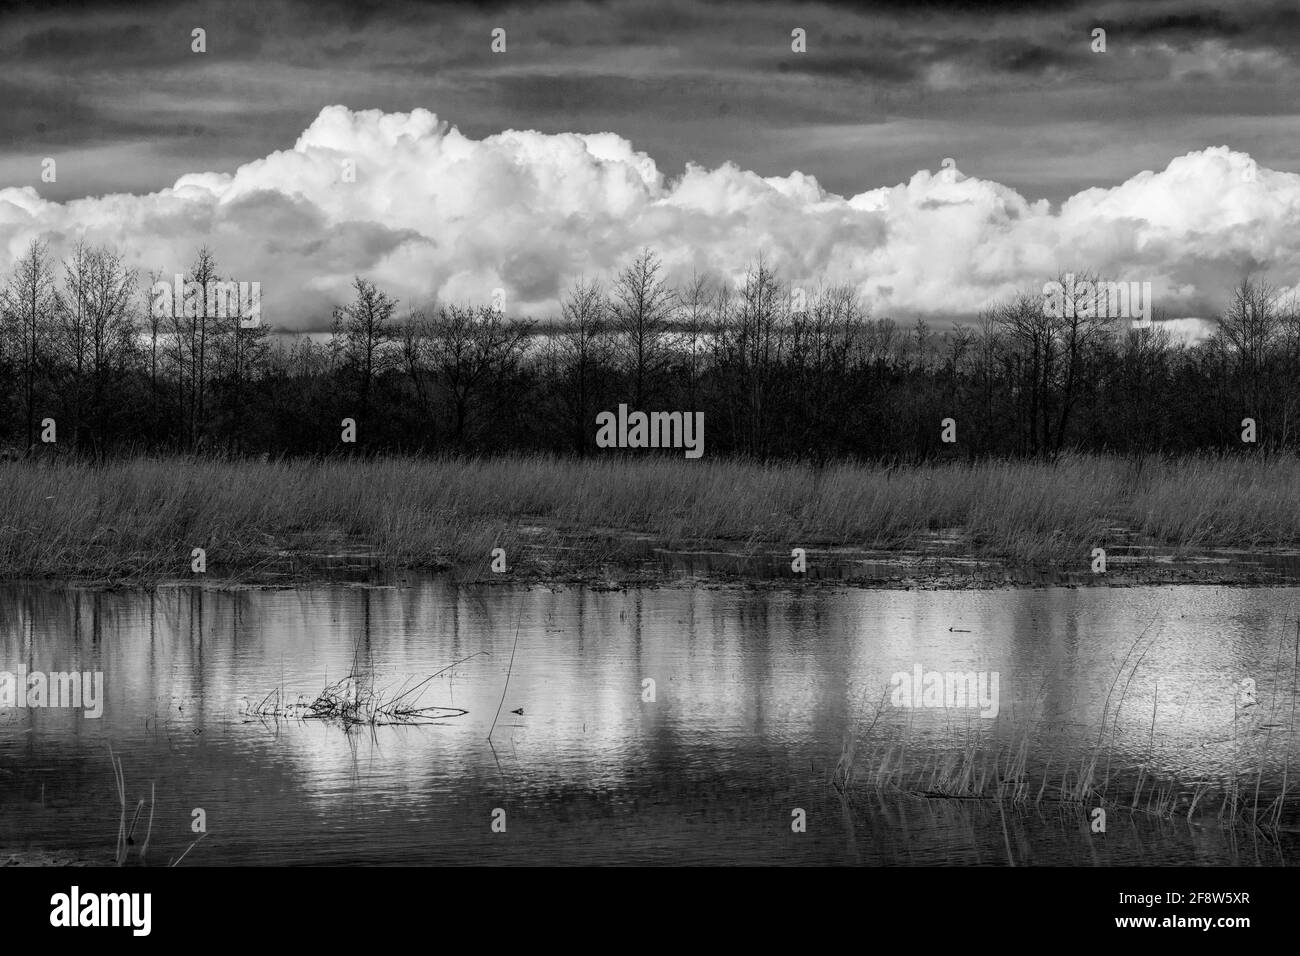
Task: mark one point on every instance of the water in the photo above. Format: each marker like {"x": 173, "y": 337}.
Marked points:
{"x": 756, "y": 692}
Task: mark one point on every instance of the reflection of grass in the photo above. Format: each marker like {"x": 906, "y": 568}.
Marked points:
{"x": 1001, "y": 772}
{"x": 142, "y": 517}
{"x": 896, "y": 828}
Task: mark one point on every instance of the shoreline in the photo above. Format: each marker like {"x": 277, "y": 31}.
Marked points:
{"x": 712, "y": 564}
{"x": 626, "y": 521}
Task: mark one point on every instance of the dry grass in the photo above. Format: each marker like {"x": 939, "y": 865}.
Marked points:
{"x": 125, "y": 833}
{"x": 998, "y": 770}
{"x": 140, "y": 518}
{"x": 356, "y": 700}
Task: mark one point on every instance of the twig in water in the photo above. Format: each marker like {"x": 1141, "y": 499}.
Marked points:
{"x": 1011, "y": 860}
{"x": 153, "y": 795}
{"x": 187, "y": 850}
{"x": 130, "y": 832}
{"x": 402, "y": 696}
{"x": 119, "y": 856}
{"x": 501, "y": 703}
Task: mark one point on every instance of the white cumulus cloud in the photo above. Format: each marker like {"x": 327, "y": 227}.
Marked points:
{"x": 432, "y": 214}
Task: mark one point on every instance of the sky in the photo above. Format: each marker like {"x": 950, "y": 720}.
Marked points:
{"x": 937, "y": 156}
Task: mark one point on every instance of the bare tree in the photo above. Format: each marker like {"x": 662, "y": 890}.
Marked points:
{"x": 578, "y": 352}
{"x": 203, "y": 272}
{"x": 360, "y": 335}
{"x": 1031, "y": 336}
{"x": 29, "y": 302}
{"x": 99, "y": 322}
{"x": 748, "y": 347}
{"x": 1248, "y": 332}
{"x": 413, "y": 346}
{"x": 643, "y": 306}
{"x": 472, "y": 350}
{"x": 155, "y": 314}
{"x": 694, "y": 301}
{"x": 73, "y": 329}
{"x": 1084, "y": 327}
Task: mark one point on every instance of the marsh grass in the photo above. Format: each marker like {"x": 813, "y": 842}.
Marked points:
{"x": 1009, "y": 770}
{"x": 140, "y": 518}
{"x": 356, "y": 700}
{"x": 125, "y": 833}
{"x": 1000, "y": 774}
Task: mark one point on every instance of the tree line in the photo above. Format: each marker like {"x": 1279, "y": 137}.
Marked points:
{"x": 779, "y": 372}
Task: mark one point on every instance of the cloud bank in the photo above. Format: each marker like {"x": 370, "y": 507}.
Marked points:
{"x": 430, "y": 214}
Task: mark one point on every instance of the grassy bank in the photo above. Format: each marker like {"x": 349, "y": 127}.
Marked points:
{"x": 141, "y": 518}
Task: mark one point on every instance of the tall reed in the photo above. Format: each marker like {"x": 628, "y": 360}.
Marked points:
{"x": 142, "y": 517}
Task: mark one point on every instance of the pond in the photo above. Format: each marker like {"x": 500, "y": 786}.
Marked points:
{"x": 676, "y": 724}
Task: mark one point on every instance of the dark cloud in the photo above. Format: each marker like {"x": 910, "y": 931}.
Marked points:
{"x": 78, "y": 46}
{"x": 687, "y": 80}
{"x": 1032, "y": 58}
{"x": 1200, "y": 24}
{"x": 886, "y": 68}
